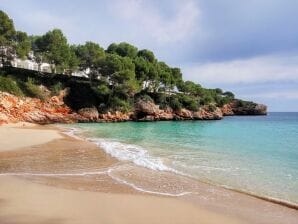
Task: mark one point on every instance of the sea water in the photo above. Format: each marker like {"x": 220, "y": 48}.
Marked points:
{"x": 254, "y": 154}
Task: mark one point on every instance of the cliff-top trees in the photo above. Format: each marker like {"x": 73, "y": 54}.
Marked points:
{"x": 123, "y": 49}
{"x": 146, "y": 69}
{"x": 22, "y": 44}
{"x": 89, "y": 55}
{"x": 117, "y": 74}
{"x": 7, "y": 30}
{"x": 54, "y": 48}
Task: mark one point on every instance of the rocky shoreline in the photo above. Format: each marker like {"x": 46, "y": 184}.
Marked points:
{"x": 54, "y": 110}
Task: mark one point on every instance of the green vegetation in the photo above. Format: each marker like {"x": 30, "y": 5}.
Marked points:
{"x": 118, "y": 77}
{"x": 33, "y": 90}
{"x": 7, "y": 84}
{"x": 7, "y": 30}
{"x": 18, "y": 87}
{"x": 56, "y": 88}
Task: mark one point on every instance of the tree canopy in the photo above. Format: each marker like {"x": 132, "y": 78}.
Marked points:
{"x": 122, "y": 72}
{"x": 7, "y": 30}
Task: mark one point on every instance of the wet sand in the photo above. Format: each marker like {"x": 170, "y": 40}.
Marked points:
{"x": 66, "y": 180}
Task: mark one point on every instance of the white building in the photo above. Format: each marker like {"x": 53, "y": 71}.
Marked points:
{"x": 31, "y": 65}
{"x": 46, "y": 67}
{"x": 81, "y": 73}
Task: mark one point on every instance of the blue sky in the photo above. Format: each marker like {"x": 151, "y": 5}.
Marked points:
{"x": 248, "y": 47}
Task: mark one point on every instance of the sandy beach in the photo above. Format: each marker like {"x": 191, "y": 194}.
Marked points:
{"x": 11, "y": 137}
{"x": 48, "y": 177}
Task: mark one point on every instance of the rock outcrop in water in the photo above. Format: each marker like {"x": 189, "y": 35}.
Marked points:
{"x": 239, "y": 107}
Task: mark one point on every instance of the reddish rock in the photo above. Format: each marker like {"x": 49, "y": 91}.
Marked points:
{"x": 144, "y": 108}
{"x": 90, "y": 113}
{"x": 227, "y": 110}
{"x": 53, "y": 110}
{"x": 240, "y": 107}
{"x": 204, "y": 113}
{"x": 184, "y": 113}
{"x": 165, "y": 116}
{"x": 15, "y": 109}
{"x": 115, "y": 116}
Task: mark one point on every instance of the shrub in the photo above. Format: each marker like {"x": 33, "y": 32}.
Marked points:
{"x": 146, "y": 98}
{"x": 56, "y": 88}
{"x": 229, "y": 94}
{"x": 9, "y": 85}
{"x": 33, "y": 90}
{"x": 206, "y": 100}
{"x": 103, "y": 89}
{"x": 118, "y": 104}
{"x": 189, "y": 102}
{"x": 160, "y": 98}
{"x": 211, "y": 107}
{"x": 175, "y": 103}
{"x": 221, "y": 101}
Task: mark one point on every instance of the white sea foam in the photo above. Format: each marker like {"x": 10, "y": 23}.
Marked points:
{"x": 125, "y": 152}
{"x": 142, "y": 189}
{"x": 73, "y": 132}
{"x": 133, "y": 153}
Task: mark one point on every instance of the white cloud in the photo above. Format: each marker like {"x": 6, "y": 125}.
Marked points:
{"x": 281, "y": 94}
{"x": 150, "y": 21}
{"x": 268, "y": 68}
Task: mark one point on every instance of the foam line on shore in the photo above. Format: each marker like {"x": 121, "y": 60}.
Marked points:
{"x": 125, "y": 152}
{"x": 265, "y": 198}
{"x": 143, "y": 190}
{"x": 140, "y": 157}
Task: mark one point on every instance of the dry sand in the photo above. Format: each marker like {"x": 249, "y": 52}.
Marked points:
{"x": 13, "y": 136}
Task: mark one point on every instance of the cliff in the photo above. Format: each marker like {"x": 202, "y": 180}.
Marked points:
{"x": 54, "y": 110}
{"x": 240, "y": 107}
{"x": 148, "y": 111}
{"x": 16, "y": 109}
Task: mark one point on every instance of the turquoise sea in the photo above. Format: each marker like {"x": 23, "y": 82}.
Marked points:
{"x": 255, "y": 154}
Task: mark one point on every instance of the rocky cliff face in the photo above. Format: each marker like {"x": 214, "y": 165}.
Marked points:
{"x": 148, "y": 111}
{"x": 15, "y": 109}
{"x": 238, "y": 107}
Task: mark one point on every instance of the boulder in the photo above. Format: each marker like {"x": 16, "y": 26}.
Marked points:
{"x": 204, "y": 113}
{"x": 165, "y": 116}
{"x": 144, "y": 108}
{"x": 91, "y": 113}
{"x": 184, "y": 114}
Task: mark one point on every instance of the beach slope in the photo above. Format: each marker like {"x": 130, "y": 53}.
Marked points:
{"x": 24, "y": 201}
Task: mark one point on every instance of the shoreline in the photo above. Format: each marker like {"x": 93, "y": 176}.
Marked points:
{"x": 277, "y": 201}
{"x": 91, "y": 161}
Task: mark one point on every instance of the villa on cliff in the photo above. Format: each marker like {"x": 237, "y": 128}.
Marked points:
{"x": 31, "y": 65}
{"x": 8, "y": 55}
